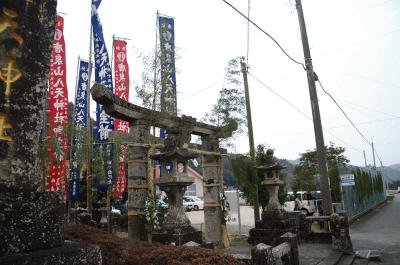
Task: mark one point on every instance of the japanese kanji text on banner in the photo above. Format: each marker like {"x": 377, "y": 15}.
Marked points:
{"x": 121, "y": 70}
{"x": 58, "y": 111}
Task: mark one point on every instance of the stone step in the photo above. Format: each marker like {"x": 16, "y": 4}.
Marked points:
{"x": 358, "y": 261}
{"x": 332, "y": 259}
{"x": 346, "y": 260}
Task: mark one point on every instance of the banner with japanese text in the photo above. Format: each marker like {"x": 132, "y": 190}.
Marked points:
{"x": 58, "y": 111}
{"x": 80, "y": 118}
{"x": 121, "y": 75}
{"x": 103, "y": 76}
{"x": 168, "y": 77}
{"x": 80, "y": 123}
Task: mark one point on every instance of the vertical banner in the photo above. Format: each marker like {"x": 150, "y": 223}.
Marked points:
{"x": 121, "y": 70}
{"x": 80, "y": 122}
{"x": 103, "y": 75}
{"x": 80, "y": 118}
{"x": 168, "y": 77}
{"x": 58, "y": 111}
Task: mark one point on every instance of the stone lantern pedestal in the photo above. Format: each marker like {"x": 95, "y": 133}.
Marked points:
{"x": 174, "y": 180}
{"x": 275, "y": 221}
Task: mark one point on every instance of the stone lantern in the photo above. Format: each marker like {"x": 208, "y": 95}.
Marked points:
{"x": 271, "y": 182}
{"x": 174, "y": 180}
{"x": 275, "y": 221}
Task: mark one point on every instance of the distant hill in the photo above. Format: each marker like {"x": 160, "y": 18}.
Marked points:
{"x": 289, "y": 171}
{"x": 294, "y": 162}
{"x": 395, "y": 166}
{"x": 391, "y": 173}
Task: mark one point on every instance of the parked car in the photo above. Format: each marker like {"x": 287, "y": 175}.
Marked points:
{"x": 162, "y": 204}
{"x": 198, "y": 204}
{"x": 115, "y": 210}
{"x": 310, "y": 203}
{"x": 187, "y": 205}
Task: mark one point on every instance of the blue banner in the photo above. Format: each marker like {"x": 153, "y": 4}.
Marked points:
{"x": 80, "y": 121}
{"x": 103, "y": 74}
{"x": 74, "y": 183}
{"x": 80, "y": 118}
{"x": 168, "y": 77}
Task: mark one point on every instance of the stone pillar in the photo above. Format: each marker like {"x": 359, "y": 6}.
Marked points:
{"x": 26, "y": 36}
{"x": 137, "y": 176}
{"x": 29, "y": 220}
{"x": 341, "y": 240}
{"x": 293, "y": 256}
{"x": 212, "y": 188}
{"x": 262, "y": 255}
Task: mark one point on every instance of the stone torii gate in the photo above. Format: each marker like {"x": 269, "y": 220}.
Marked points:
{"x": 140, "y": 119}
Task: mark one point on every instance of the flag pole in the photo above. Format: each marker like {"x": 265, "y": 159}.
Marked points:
{"x": 89, "y": 125}
{"x": 155, "y": 71}
{"x": 112, "y": 60}
{"x": 72, "y": 140}
{"x": 109, "y": 189}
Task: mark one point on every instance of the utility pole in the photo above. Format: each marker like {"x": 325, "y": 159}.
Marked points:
{"x": 373, "y": 154}
{"x": 319, "y": 136}
{"x": 365, "y": 160}
{"x": 251, "y": 140}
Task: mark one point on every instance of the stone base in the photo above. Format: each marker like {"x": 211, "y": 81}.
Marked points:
{"x": 178, "y": 236}
{"x": 267, "y": 236}
{"x": 271, "y": 227}
{"x": 68, "y": 253}
{"x": 30, "y": 221}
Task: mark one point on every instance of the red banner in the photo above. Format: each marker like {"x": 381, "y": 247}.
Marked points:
{"x": 58, "y": 111}
{"x": 121, "y": 70}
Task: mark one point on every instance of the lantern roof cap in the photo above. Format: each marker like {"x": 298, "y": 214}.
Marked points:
{"x": 176, "y": 153}
{"x": 271, "y": 167}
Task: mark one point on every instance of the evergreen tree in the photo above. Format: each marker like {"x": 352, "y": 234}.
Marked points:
{"x": 306, "y": 171}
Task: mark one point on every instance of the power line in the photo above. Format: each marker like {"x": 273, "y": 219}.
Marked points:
{"x": 347, "y": 117}
{"x": 344, "y": 113}
{"x": 301, "y": 112}
{"x": 333, "y": 127}
{"x": 341, "y": 99}
{"x": 360, "y": 76}
{"x": 266, "y": 33}
{"x": 202, "y": 89}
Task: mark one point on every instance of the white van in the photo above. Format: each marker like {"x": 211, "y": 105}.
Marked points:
{"x": 310, "y": 203}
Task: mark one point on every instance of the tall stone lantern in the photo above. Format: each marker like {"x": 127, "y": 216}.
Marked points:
{"x": 174, "y": 180}
{"x": 275, "y": 221}
{"x": 271, "y": 182}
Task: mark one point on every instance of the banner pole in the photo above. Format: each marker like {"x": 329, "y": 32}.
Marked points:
{"x": 155, "y": 71}
{"x": 71, "y": 159}
{"x": 89, "y": 125}
{"x": 112, "y": 63}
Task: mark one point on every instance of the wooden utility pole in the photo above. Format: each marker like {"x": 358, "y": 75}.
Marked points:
{"x": 319, "y": 136}
{"x": 365, "y": 160}
{"x": 251, "y": 140}
{"x": 373, "y": 154}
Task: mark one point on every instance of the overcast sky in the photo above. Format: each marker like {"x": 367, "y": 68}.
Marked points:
{"x": 354, "y": 46}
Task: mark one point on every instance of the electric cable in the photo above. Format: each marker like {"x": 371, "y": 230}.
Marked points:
{"x": 347, "y": 117}
{"x": 344, "y": 113}
{"x": 301, "y": 112}
{"x": 266, "y": 33}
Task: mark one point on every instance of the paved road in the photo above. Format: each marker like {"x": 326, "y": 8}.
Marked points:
{"x": 380, "y": 230}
